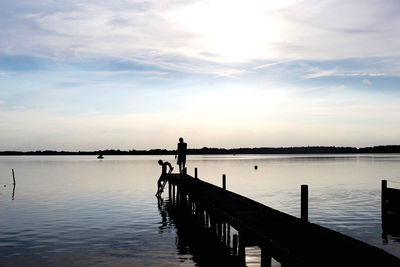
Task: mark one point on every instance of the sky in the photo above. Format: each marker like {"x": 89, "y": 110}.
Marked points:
{"x": 126, "y": 74}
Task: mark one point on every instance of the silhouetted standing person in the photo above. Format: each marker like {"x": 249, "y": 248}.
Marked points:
{"x": 163, "y": 177}
{"x": 181, "y": 153}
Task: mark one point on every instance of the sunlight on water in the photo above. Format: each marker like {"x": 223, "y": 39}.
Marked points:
{"x": 78, "y": 210}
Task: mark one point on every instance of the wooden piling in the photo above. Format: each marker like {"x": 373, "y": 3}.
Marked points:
{"x": 213, "y": 225}
{"x": 13, "y": 193}
{"x": 224, "y": 233}
{"x": 383, "y": 199}
{"x": 219, "y": 231}
{"x": 304, "y": 203}
{"x": 242, "y": 249}
{"x": 195, "y": 173}
{"x": 13, "y": 174}
{"x": 173, "y": 194}
{"x": 178, "y": 195}
{"x": 224, "y": 181}
{"x": 228, "y": 235}
{"x": 266, "y": 259}
{"x": 235, "y": 244}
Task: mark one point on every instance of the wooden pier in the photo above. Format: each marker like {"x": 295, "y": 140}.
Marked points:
{"x": 239, "y": 222}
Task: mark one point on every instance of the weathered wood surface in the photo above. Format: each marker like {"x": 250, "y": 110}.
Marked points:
{"x": 288, "y": 239}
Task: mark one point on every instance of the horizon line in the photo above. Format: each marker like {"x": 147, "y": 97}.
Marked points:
{"x": 214, "y": 150}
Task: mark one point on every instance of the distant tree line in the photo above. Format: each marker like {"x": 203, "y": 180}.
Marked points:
{"x": 211, "y": 151}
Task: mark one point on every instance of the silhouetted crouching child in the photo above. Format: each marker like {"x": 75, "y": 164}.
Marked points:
{"x": 163, "y": 177}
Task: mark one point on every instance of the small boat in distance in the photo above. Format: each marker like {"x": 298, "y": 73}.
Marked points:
{"x": 100, "y": 157}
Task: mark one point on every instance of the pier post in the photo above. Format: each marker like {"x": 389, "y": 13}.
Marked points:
{"x": 383, "y": 200}
{"x": 266, "y": 258}
{"x": 195, "y": 173}
{"x": 228, "y": 235}
{"x": 242, "y": 249}
{"x": 201, "y": 212}
{"x": 224, "y": 181}
{"x": 13, "y": 193}
{"x": 219, "y": 231}
{"x": 224, "y": 233}
{"x": 13, "y": 176}
{"x": 213, "y": 225}
{"x": 178, "y": 195}
{"x": 235, "y": 244}
{"x": 173, "y": 194}
{"x": 182, "y": 198}
{"x": 304, "y": 203}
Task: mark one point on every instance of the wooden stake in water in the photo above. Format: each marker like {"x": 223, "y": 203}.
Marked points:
{"x": 304, "y": 203}
{"x": 383, "y": 199}
{"x": 13, "y": 176}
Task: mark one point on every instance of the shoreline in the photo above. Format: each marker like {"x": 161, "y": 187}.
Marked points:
{"x": 387, "y": 149}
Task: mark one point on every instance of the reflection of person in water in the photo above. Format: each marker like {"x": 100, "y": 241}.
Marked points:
{"x": 163, "y": 213}
{"x": 163, "y": 176}
{"x": 181, "y": 153}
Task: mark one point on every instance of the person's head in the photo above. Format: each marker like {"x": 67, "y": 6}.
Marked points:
{"x": 160, "y": 162}
{"x": 181, "y": 140}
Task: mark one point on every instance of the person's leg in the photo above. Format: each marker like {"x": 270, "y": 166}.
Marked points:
{"x": 158, "y": 186}
{"x": 179, "y": 164}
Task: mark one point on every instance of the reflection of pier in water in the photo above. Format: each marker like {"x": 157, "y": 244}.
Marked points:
{"x": 194, "y": 239}
{"x": 238, "y": 222}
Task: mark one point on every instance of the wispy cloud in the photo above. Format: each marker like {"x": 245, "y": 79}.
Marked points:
{"x": 176, "y": 35}
{"x": 366, "y": 82}
{"x": 320, "y": 73}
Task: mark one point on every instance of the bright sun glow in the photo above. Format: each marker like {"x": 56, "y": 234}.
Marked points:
{"x": 236, "y": 31}
{"x": 240, "y": 102}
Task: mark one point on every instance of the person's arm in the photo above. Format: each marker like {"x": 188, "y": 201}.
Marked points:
{"x": 170, "y": 166}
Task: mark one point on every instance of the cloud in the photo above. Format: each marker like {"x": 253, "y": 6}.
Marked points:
{"x": 198, "y": 36}
{"x": 366, "y": 82}
{"x": 341, "y": 29}
{"x": 320, "y": 73}
{"x": 331, "y": 69}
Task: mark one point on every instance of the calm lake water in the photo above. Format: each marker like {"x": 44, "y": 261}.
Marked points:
{"x": 78, "y": 210}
